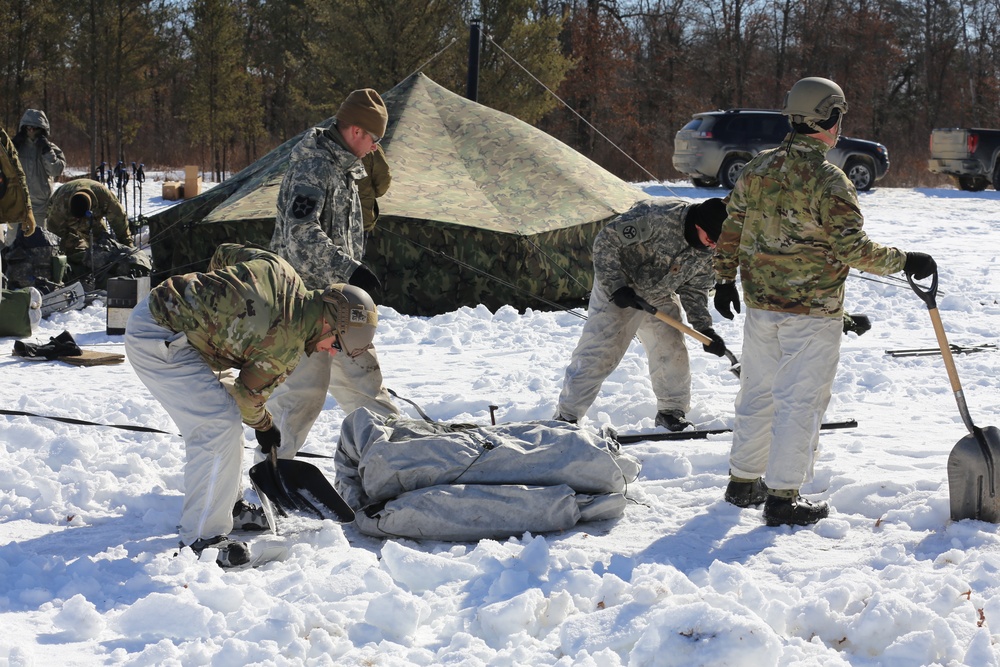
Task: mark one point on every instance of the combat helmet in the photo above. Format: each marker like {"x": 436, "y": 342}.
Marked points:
{"x": 812, "y": 102}
{"x": 353, "y": 316}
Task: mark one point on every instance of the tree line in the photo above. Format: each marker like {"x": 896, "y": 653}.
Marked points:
{"x": 221, "y": 82}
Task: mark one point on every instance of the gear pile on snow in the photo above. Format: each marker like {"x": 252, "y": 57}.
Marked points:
{"x": 422, "y": 480}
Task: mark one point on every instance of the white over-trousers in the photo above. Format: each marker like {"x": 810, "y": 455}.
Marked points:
{"x": 354, "y": 383}
{"x": 207, "y": 416}
{"x": 787, "y": 371}
{"x": 606, "y": 336}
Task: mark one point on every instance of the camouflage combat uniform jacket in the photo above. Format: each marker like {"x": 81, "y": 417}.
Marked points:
{"x": 319, "y": 227}
{"x": 374, "y": 185}
{"x": 794, "y": 231}
{"x": 75, "y": 232}
{"x": 41, "y": 169}
{"x": 252, "y": 312}
{"x": 15, "y": 202}
{"x": 645, "y": 248}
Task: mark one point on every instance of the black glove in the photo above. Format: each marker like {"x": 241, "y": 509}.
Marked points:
{"x": 859, "y": 324}
{"x": 717, "y": 346}
{"x": 625, "y": 297}
{"x": 726, "y": 297}
{"x": 366, "y": 280}
{"x": 43, "y": 145}
{"x": 919, "y": 265}
{"x": 269, "y": 439}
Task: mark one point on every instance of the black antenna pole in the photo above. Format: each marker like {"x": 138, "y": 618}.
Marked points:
{"x": 472, "y": 83}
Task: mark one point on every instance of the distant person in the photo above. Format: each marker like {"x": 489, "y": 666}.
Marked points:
{"x": 794, "y": 231}
{"x": 319, "y": 230}
{"x": 660, "y": 250}
{"x": 375, "y": 184}
{"x": 252, "y": 313}
{"x": 42, "y": 160}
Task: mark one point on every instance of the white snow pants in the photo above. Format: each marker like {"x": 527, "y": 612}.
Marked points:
{"x": 207, "y": 416}
{"x": 353, "y": 382}
{"x": 788, "y": 367}
{"x": 606, "y": 336}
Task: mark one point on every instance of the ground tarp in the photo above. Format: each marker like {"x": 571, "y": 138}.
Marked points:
{"x": 483, "y": 209}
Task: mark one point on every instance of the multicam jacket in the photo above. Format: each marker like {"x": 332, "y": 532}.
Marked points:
{"x": 15, "y": 202}
{"x": 250, "y": 311}
{"x": 795, "y": 230}
{"x": 75, "y": 232}
{"x": 645, "y": 249}
{"x": 319, "y": 227}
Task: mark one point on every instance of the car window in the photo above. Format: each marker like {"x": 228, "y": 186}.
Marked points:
{"x": 693, "y": 124}
{"x": 774, "y": 127}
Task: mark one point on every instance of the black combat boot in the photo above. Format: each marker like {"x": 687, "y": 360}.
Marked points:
{"x": 672, "y": 420}
{"x": 743, "y": 493}
{"x": 796, "y": 511}
{"x": 231, "y": 553}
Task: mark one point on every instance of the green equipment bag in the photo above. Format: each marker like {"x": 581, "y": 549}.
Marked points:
{"x": 20, "y": 312}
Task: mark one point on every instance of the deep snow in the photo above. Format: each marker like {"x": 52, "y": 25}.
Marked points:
{"x": 91, "y": 574}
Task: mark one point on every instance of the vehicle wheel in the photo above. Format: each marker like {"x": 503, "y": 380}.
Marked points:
{"x": 996, "y": 177}
{"x": 972, "y": 183}
{"x": 860, "y": 173}
{"x": 705, "y": 182}
{"x": 731, "y": 169}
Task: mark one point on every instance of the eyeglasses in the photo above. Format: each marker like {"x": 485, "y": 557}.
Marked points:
{"x": 374, "y": 139}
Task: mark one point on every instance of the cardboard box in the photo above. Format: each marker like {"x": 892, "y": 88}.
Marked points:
{"x": 190, "y": 173}
{"x": 172, "y": 190}
{"x": 191, "y": 188}
{"x": 123, "y": 295}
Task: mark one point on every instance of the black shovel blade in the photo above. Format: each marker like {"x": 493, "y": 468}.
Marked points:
{"x": 973, "y": 484}
{"x": 297, "y": 486}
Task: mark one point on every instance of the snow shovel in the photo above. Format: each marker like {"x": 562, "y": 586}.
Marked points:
{"x": 683, "y": 328}
{"x": 287, "y": 485}
{"x": 972, "y": 472}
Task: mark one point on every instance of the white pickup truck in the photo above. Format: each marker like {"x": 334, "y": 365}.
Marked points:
{"x": 970, "y": 155}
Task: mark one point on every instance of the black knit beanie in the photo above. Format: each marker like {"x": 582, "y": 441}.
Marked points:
{"x": 709, "y": 215}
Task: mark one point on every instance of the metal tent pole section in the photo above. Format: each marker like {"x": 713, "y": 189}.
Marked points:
{"x": 472, "y": 82}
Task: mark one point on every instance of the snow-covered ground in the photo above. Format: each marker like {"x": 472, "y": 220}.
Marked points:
{"x": 90, "y": 573}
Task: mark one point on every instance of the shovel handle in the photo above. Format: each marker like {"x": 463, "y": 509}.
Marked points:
{"x": 677, "y": 324}
{"x": 928, "y": 295}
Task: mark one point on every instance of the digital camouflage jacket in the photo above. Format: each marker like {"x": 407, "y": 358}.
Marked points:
{"x": 251, "y": 312}
{"x": 645, "y": 249}
{"x": 794, "y": 231}
{"x": 319, "y": 227}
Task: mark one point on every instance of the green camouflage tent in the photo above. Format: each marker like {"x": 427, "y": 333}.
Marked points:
{"x": 483, "y": 209}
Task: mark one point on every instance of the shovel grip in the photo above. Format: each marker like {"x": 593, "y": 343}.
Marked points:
{"x": 677, "y": 324}
{"x": 928, "y": 295}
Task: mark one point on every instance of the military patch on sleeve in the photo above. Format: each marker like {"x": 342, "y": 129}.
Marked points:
{"x": 306, "y": 198}
{"x": 634, "y": 231}
{"x": 303, "y": 206}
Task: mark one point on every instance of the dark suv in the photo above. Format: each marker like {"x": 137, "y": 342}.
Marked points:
{"x": 714, "y": 147}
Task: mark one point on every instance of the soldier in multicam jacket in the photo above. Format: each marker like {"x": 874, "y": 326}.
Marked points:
{"x": 660, "y": 251}
{"x": 15, "y": 202}
{"x": 794, "y": 231}
{"x": 319, "y": 229}
{"x": 84, "y": 206}
{"x": 250, "y": 312}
